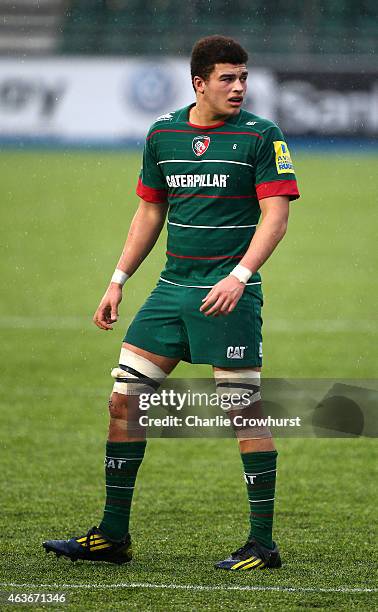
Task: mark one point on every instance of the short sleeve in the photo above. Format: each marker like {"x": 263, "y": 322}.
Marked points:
{"x": 151, "y": 183}
{"x": 274, "y": 171}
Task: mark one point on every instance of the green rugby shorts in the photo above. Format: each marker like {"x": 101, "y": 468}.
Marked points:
{"x": 170, "y": 324}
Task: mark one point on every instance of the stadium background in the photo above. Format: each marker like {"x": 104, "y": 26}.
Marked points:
{"x": 80, "y": 81}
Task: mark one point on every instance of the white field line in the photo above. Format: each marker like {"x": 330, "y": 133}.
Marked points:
{"x": 40, "y": 391}
{"x": 191, "y": 587}
{"x": 272, "y": 325}
{"x": 58, "y": 323}
{"x": 322, "y": 325}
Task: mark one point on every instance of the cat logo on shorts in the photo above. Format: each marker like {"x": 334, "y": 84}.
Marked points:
{"x": 235, "y": 352}
{"x": 200, "y": 144}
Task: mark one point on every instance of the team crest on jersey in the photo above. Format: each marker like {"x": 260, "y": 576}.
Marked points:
{"x": 200, "y": 144}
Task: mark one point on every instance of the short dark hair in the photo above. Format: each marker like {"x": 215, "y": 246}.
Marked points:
{"x": 215, "y": 50}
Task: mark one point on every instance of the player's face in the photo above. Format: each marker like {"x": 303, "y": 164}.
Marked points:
{"x": 225, "y": 89}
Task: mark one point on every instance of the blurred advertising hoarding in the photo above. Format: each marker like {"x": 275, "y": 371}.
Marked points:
{"x": 116, "y": 100}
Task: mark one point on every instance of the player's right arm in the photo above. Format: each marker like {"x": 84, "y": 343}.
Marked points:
{"x": 144, "y": 229}
{"x": 143, "y": 233}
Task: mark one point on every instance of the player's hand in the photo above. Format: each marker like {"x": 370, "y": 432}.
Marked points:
{"x": 107, "y": 312}
{"x": 223, "y": 297}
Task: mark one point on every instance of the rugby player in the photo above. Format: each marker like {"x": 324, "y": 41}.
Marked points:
{"x": 215, "y": 169}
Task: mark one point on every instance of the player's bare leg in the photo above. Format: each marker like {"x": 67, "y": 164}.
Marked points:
{"x": 259, "y": 461}
{"x": 124, "y": 409}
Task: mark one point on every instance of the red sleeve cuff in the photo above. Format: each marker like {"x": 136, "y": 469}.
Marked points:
{"x": 278, "y": 188}
{"x": 149, "y": 194}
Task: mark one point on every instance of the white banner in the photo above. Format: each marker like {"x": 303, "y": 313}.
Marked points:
{"x": 101, "y": 100}
{"x": 111, "y": 101}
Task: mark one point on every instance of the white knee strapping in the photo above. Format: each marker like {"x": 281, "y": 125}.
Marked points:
{"x": 242, "y": 384}
{"x": 136, "y": 374}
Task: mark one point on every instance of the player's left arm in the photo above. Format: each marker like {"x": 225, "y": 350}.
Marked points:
{"x": 224, "y": 296}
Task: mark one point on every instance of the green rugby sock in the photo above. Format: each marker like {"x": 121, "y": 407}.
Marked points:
{"x": 122, "y": 462}
{"x": 260, "y": 476}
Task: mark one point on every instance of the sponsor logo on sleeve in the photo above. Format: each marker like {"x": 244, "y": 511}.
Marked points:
{"x": 200, "y": 144}
{"x": 283, "y": 159}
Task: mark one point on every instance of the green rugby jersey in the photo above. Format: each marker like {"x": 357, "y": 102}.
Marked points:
{"x": 212, "y": 178}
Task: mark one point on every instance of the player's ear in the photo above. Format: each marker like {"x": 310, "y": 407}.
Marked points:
{"x": 198, "y": 84}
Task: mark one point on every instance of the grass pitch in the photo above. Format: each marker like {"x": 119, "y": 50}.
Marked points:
{"x": 64, "y": 222}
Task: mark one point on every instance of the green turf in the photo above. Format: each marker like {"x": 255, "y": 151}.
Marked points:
{"x": 63, "y": 224}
